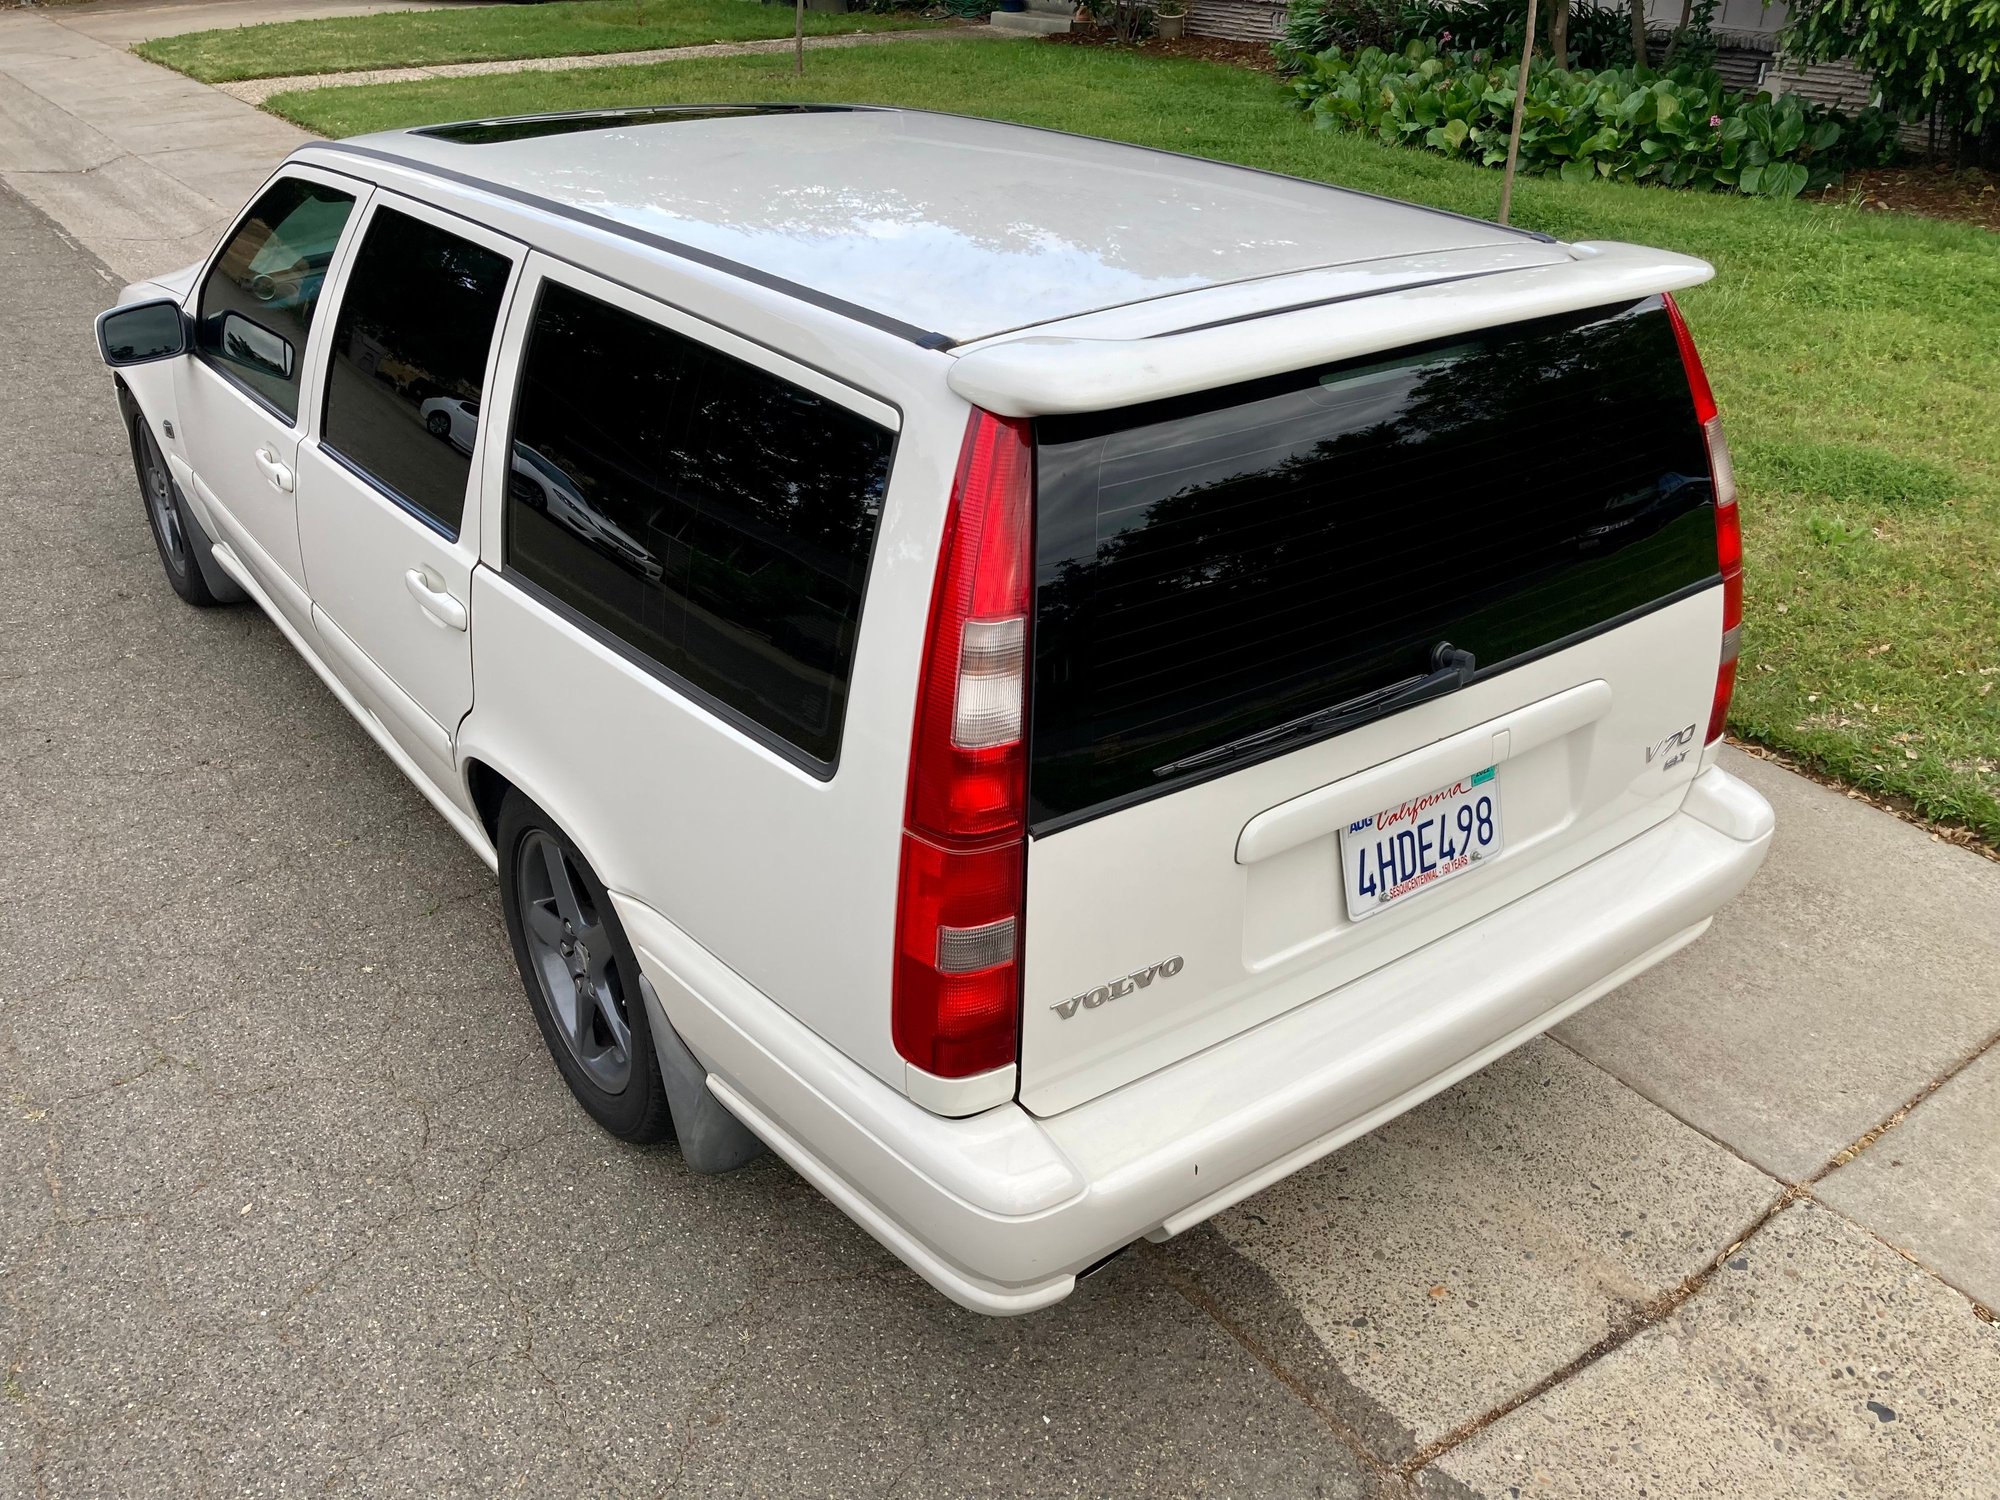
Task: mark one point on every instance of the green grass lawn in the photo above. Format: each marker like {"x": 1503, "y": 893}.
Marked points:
{"x": 403, "y": 39}
{"x": 1856, "y": 357}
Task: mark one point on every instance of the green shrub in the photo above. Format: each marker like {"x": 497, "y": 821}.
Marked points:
{"x": 1600, "y": 36}
{"x": 1926, "y": 57}
{"x": 1679, "y": 129}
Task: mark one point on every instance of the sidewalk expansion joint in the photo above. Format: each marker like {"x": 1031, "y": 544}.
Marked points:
{"x": 1389, "y": 1475}
{"x": 1896, "y": 1116}
{"x": 1649, "y": 1314}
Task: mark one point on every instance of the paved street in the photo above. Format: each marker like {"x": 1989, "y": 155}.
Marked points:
{"x": 292, "y": 1200}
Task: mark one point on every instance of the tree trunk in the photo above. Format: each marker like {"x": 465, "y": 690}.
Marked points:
{"x": 1520, "y": 103}
{"x": 1680, "y": 31}
{"x": 1559, "y": 33}
{"x": 1638, "y": 33}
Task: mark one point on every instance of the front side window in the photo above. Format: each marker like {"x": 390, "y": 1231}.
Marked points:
{"x": 256, "y": 306}
{"x": 408, "y": 365}
{"x": 714, "y": 518}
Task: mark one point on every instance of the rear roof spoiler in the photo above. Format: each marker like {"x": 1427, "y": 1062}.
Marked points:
{"x": 1045, "y": 375}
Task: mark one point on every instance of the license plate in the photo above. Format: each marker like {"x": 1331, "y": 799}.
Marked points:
{"x": 1421, "y": 843}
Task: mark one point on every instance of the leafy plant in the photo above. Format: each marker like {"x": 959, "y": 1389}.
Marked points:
{"x": 1927, "y": 56}
{"x": 1312, "y": 26}
{"x": 1678, "y": 129}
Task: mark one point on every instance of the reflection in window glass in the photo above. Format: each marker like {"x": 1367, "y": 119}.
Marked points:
{"x": 257, "y": 304}
{"x": 409, "y": 360}
{"x": 1221, "y": 565}
{"x": 715, "y": 518}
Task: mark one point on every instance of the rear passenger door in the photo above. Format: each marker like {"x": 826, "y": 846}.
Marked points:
{"x": 387, "y": 520}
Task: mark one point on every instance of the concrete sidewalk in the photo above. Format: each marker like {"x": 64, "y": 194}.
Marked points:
{"x": 140, "y": 165}
{"x": 1734, "y": 1231}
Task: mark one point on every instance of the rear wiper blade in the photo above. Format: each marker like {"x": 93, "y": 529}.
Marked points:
{"x": 1451, "y": 669}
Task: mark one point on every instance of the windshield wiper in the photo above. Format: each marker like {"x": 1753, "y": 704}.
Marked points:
{"x": 1451, "y": 669}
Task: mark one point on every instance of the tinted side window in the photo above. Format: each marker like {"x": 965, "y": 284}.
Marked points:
{"x": 711, "y": 516}
{"x": 257, "y": 304}
{"x": 409, "y": 361}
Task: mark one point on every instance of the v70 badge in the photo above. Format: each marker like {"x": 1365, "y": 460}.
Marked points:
{"x": 1672, "y": 750}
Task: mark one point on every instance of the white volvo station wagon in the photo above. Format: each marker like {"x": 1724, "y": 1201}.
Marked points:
{"x": 1049, "y": 683}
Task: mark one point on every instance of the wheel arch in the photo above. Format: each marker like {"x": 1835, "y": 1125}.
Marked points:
{"x": 490, "y": 774}
{"x": 487, "y": 789}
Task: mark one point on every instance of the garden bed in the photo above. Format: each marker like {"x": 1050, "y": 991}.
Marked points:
{"x": 1256, "y": 55}
{"x": 1967, "y": 196}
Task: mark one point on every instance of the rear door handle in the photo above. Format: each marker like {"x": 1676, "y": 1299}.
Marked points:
{"x": 277, "y": 473}
{"x": 434, "y": 601}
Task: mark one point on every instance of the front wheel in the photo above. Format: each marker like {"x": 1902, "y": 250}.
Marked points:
{"x": 580, "y": 973}
{"x": 166, "y": 514}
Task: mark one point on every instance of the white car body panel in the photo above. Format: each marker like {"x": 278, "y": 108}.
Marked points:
{"x": 926, "y": 226}
{"x": 1000, "y": 1211}
{"x": 761, "y": 897}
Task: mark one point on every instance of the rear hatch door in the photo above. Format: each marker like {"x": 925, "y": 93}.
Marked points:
{"x": 1330, "y": 663}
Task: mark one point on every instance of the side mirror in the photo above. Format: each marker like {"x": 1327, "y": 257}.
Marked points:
{"x": 141, "y": 332}
{"x": 254, "y": 347}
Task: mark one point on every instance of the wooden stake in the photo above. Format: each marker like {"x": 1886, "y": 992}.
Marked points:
{"x": 1520, "y": 103}
{"x": 799, "y": 41}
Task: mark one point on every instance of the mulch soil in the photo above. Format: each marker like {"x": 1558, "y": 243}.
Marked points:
{"x": 1255, "y": 55}
{"x": 1968, "y": 195}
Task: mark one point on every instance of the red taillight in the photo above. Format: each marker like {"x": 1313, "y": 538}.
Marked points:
{"x": 1728, "y": 523}
{"x": 958, "y": 924}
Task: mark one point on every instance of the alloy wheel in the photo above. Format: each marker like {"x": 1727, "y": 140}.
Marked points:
{"x": 161, "y": 504}
{"x": 575, "y": 964}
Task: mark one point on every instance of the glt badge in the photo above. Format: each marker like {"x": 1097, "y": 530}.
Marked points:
{"x": 1672, "y": 750}
{"x": 1138, "y": 979}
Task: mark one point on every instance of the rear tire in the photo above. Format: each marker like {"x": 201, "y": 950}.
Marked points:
{"x": 166, "y": 515}
{"x": 580, "y": 973}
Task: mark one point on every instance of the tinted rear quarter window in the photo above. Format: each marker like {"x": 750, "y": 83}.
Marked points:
{"x": 711, "y": 517}
{"x": 409, "y": 361}
{"x": 1212, "y": 568}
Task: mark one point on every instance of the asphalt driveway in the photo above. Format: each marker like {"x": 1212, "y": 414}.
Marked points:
{"x": 291, "y": 1200}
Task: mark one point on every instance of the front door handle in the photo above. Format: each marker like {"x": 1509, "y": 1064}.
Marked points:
{"x": 279, "y": 475}
{"x": 435, "y": 602}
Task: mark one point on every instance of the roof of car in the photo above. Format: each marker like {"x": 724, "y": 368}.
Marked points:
{"x": 942, "y": 227}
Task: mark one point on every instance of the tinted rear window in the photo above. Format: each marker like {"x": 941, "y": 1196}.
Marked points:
{"x": 1211, "y": 568}
{"x": 707, "y": 515}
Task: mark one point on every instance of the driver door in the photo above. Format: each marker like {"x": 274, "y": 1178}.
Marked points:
{"x": 242, "y": 395}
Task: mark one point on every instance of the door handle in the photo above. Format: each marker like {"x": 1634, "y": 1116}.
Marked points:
{"x": 277, "y": 473}
{"x": 433, "y": 600}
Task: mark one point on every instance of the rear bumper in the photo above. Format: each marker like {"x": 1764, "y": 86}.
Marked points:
{"x": 999, "y": 1211}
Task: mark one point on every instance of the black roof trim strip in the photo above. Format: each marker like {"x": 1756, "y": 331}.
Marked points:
{"x": 465, "y": 132}
{"x": 1362, "y": 295}
{"x": 924, "y": 338}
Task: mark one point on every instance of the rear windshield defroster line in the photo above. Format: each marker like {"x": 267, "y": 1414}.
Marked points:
{"x": 1215, "y": 567}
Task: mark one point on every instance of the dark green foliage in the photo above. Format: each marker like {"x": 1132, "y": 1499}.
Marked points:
{"x": 1678, "y": 129}
{"x": 1599, "y": 36}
